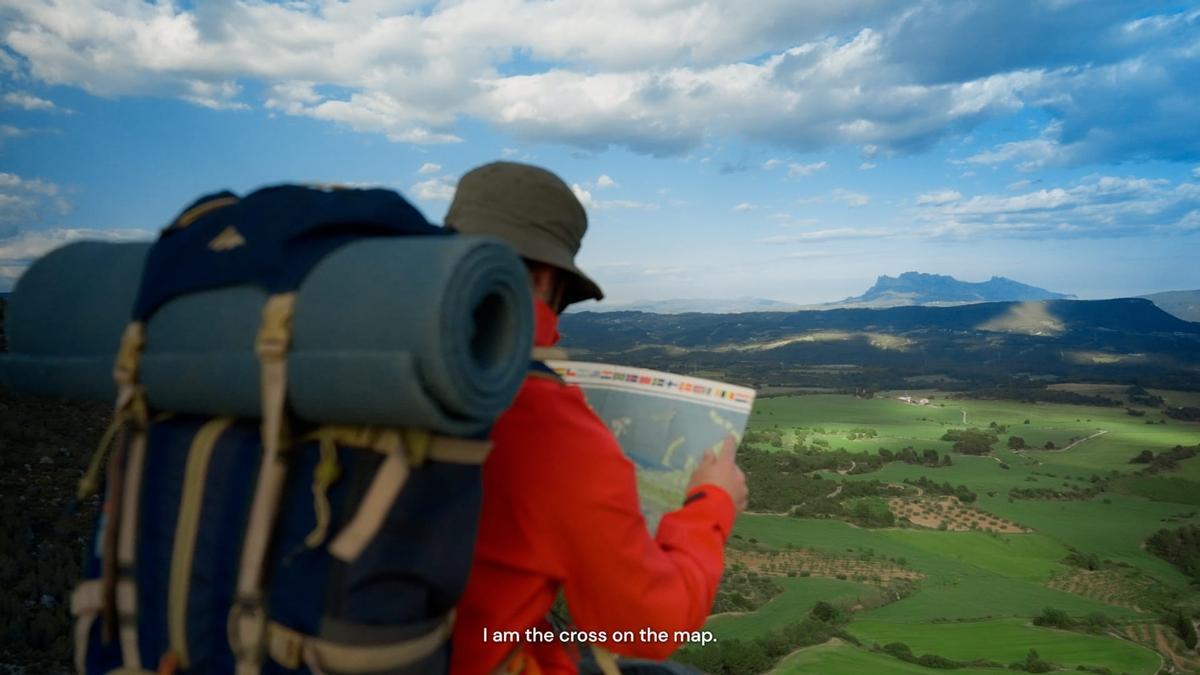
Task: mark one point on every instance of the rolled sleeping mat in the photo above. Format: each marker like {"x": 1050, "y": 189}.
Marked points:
{"x": 429, "y": 332}
{"x": 65, "y": 319}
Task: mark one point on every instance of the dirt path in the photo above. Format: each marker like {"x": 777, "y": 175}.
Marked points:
{"x": 837, "y": 491}
{"x": 846, "y": 471}
{"x": 1068, "y": 447}
{"x": 964, "y": 418}
{"x": 1164, "y": 647}
{"x": 833, "y": 643}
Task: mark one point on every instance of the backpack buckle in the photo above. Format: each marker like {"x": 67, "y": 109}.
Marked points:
{"x": 247, "y": 630}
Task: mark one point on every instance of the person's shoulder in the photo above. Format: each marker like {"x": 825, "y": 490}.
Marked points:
{"x": 556, "y": 413}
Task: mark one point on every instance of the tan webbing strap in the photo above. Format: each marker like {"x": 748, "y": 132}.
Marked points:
{"x": 186, "y": 528}
{"x": 86, "y": 602}
{"x": 126, "y": 591}
{"x": 416, "y": 444}
{"x": 247, "y": 618}
{"x": 292, "y": 649}
{"x": 458, "y": 450}
{"x": 130, "y": 414}
{"x": 372, "y": 510}
{"x": 605, "y": 660}
{"x": 549, "y": 354}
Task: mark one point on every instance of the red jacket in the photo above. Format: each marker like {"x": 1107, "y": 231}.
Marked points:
{"x": 560, "y": 510}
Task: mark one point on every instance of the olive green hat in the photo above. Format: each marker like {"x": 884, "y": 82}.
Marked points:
{"x": 531, "y": 209}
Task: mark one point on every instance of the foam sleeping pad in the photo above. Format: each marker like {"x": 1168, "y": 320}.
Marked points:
{"x": 422, "y": 331}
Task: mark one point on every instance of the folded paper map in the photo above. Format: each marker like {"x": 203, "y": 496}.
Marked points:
{"x": 664, "y": 423}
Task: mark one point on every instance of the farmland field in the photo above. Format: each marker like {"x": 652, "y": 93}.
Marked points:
{"x": 1062, "y": 528}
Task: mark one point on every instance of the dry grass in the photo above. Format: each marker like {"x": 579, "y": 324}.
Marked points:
{"x": 957, "y": 517}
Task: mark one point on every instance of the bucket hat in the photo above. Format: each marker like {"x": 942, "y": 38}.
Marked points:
{"x": 533, "y": 210}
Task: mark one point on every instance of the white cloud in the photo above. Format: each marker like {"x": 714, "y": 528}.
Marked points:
{"x": 850, "y": 198}
{"x": 582, "y": 195}
{"x": 439, "y": 189}
{"x": 744, "y": 207}
{"x": 19, "y": 250}
{"x": 428, "y": 168}
{"x": 658, "y": 77}
{"x": 27, "y": 201}
{"x": 27, "y": 101}
{"x": 866, "y": 166}
{"x": 771, "y": 164}
{"x": 589, "y": 202}
{"x": 798, "y": 170}
{"x": 939, "y": 197}
{"x": 1096, "y": 206}
{"x": 826, "y": 235}
{"x": 1196, "y": 172}
{"x": 605, "y": 181}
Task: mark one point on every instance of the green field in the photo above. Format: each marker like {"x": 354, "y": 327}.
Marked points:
{"x": 1010, "y": 640}
{"x": 980, "y": 590}
{"x": 839, "y": 658}
{"x": 790, "y": 606}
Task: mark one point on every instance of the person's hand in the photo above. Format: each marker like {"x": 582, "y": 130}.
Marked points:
{"x": 721, "y": 470}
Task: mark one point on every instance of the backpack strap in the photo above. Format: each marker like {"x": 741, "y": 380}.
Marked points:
{"x": 539, "y": 369}
{"x": 403, "y": 450}
{"x": 248, "y": 617}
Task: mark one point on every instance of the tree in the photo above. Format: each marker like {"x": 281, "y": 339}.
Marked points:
{"x": 1016, "y": 443}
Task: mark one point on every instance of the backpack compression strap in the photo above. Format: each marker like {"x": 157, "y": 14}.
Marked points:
{"x": 247, "y": 618}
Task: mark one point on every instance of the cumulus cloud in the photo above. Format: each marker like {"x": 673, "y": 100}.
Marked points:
{"x": 796, "y": 170}
{"x": 771, "y": 164}
{"x": 605, "y": 181}
{"x": 851, "y": 198}
{"x": 744, "y": 207}
{"x": 658, "y": 78}
{"x": 440, "y": 189}
{"x": 28, "y": 201}
{"x": 939, "y": 197}
{"x": 1096, "y": 206}
{"x": 26, "y": 101}
{"x": 428, "y": 168}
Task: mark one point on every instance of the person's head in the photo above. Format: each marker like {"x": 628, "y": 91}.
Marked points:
{"x": 535, "y": 212}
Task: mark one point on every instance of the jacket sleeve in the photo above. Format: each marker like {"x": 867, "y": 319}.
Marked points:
{"x": 618, "y": 577}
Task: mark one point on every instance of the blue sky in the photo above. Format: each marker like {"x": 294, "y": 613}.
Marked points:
{"x": 776, "y": 149}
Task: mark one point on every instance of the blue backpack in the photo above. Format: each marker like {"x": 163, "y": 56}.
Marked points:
{"x": 303, "y": 395}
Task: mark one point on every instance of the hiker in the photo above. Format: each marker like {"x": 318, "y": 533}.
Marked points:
{"x": 560, "y": 505}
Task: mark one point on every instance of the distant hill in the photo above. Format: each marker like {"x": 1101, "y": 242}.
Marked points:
{"x": 1183, "y": 304}
{"x": 1101, "y": 340}
{"x": 916, "y": 288}
{"x": 706, "y": 305}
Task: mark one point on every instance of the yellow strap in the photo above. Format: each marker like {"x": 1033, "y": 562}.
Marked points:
{"x": 549, "y": 354}
{"x": 89, "y": 484}
{"x": 326, "y": 474}
{"x": 292, "y": 649}
{"x": 418, "y": 445}
{"x": 191, "y": 215}
{"x": 605, "y": 660}
{"x": 83, "y": 630}
{"x": 126, "y": 595}
{"x": 130, "y": 405}
{"x": 459, "y": 450}
{"x": 372, "y": 510}
{"x": 186, "y": 527}
{"x": 247, "y": 619}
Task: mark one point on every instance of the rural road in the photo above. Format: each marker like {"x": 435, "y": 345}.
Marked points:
{"x": 1068, "y": 447}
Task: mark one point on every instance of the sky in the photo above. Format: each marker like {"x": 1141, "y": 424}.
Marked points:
{"x": 775, "y": 149}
